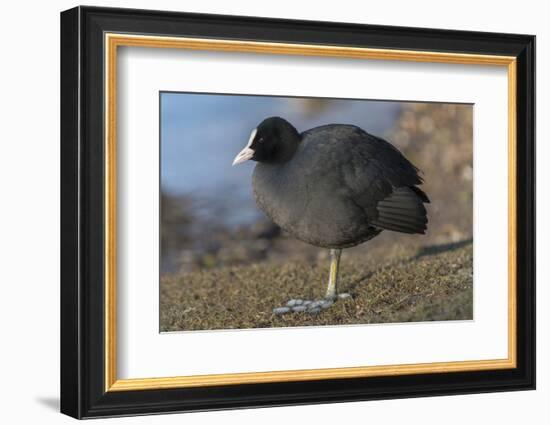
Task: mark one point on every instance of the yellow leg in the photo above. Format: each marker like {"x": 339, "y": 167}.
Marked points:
{"x": 332, "y": 289}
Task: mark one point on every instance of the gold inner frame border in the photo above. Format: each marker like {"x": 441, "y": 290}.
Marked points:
{"x": 113, "y": 40}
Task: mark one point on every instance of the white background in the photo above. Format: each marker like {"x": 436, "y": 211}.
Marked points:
{"x": 29, "y": 233}
{"x": 143, "y": 72}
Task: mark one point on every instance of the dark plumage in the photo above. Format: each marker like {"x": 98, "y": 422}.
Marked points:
{"x": 333, "y": 186}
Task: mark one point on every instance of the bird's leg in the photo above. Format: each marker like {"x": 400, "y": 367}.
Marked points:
{"x": 332, "y": 295}
{"x": 332, "y": 289}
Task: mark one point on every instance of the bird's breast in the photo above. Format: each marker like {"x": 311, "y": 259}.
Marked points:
{"x": 281, "y": 197}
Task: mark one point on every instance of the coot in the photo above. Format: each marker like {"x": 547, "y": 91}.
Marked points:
{"x": 334, "y": 186}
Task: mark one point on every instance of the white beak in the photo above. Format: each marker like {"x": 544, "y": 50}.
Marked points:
{"x": 243, "y": 156}
{"x": 246, "y": 153}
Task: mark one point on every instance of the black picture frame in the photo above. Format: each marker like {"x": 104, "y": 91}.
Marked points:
{"x": 83, "y": 392}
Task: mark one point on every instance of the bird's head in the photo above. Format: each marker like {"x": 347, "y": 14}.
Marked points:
{"x": 274, "y": 141}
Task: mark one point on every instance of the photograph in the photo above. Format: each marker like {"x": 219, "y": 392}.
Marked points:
{"x": 286, "y": 210}
{"x": 307, "y": 211}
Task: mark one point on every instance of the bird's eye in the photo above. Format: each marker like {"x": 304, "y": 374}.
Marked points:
{"x": 260, "y": 140}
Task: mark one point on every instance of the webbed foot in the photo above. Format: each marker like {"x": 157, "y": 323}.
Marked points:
{"x": 299, "y": 305}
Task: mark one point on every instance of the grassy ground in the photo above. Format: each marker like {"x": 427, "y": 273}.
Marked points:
{"x": 431, "y": 284}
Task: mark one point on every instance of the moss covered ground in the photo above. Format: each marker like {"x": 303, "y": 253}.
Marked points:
{"x": 433, "y": 283}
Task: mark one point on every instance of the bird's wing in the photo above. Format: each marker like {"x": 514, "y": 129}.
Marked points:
{"x": 384, "y": 184}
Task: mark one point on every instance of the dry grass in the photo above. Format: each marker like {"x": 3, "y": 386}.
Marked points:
{"x": 432, "y": 284}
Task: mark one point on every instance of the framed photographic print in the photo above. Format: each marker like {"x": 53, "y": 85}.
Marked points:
{"x": 261, "y": 212}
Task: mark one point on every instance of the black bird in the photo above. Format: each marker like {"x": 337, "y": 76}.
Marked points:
{"x": 333, "y": 186}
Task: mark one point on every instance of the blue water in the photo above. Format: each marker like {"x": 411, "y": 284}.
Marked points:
{"x": 202, "y": 133}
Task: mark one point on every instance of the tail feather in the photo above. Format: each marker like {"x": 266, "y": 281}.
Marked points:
{"x": 403, "y": 211}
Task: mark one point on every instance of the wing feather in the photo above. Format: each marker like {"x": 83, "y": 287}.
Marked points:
{"x": 384, "y": 183}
